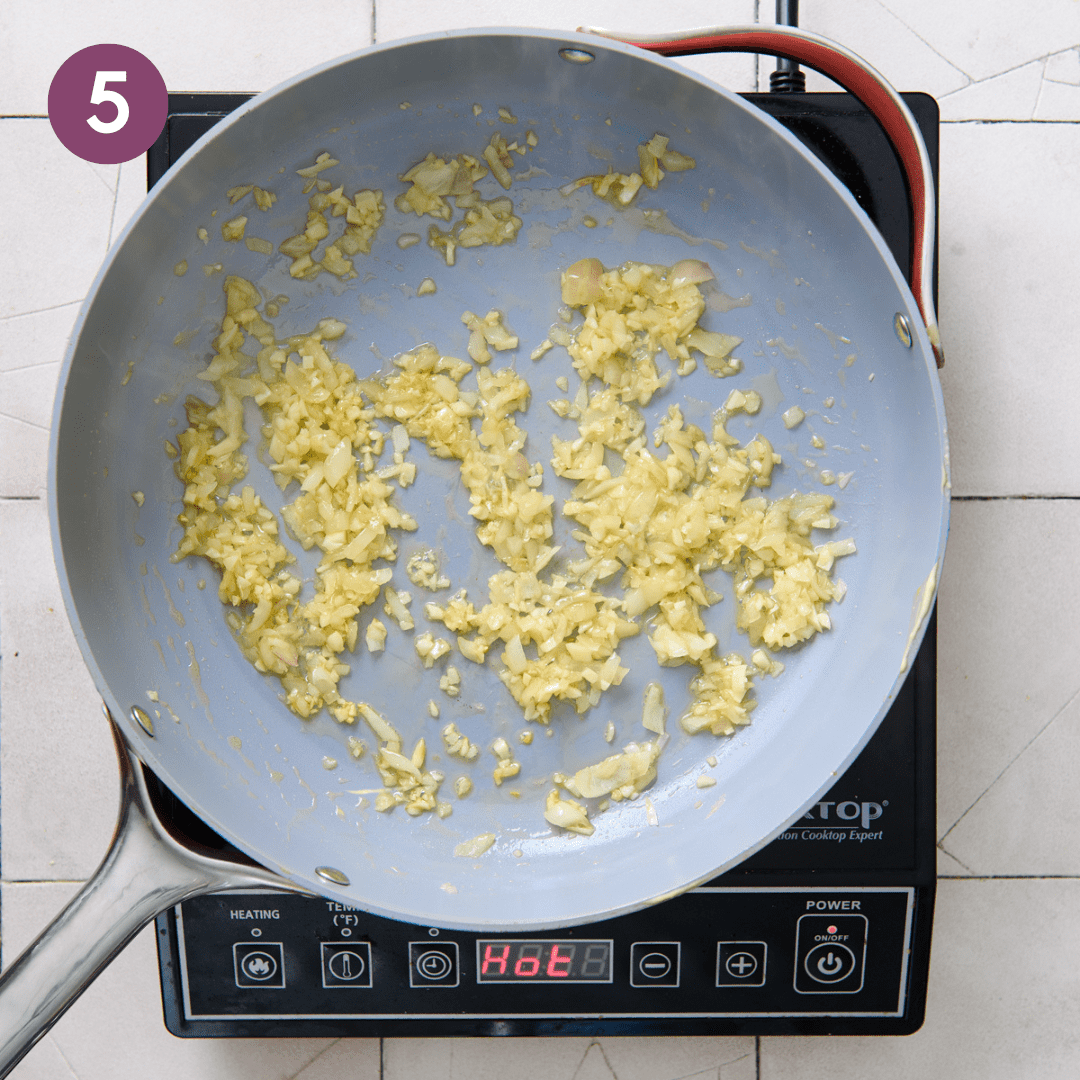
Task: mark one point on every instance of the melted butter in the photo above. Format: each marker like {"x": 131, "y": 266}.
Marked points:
{"x": 196, "y": 678}
{"x": 632, "y": 221}
{"x": 772, "y": 258}
{"x": 768, "y": 389}
{"x": 173, "y": 610}
{"x": 146, "y": 605}
{"x": 790, "y": 352}
{"x": 304, "y": 784}
{"x": 835, "y": 340}
{"x": 718, "y": 300}
{"x": 210, "y": 753}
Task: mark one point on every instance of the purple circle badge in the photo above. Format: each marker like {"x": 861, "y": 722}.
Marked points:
{"x": 107, "y": 104}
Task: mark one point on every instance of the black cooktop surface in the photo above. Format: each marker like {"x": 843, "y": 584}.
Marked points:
{"x": 825, "y": 930}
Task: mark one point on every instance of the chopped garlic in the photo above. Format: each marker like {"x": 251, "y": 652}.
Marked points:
{"x": 506, "y": 766}
{"x": 470, "y": 849}
{"x": 430, "y": 649}
{"x": 622, "y": 776}
{"x": 567, "y": 814}
{"x": 654, "y": 712}
{"x": 450, "y": 683}
{"x": 233, "y": 231}
{"x": 490, "y": 330}
{"x": 458, "y": 745}
{"x": 765, "y": 663}
{"x": 423, "y": 569}
{"x": 375, "y": 636}
{"x": 396, "y": 606}
{"x": 793, "y": 417}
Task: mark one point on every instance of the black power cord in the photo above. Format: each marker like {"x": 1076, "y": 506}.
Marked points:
{"x": 788, "y": 78}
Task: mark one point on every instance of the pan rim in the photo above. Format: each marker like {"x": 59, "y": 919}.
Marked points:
{"x": 134, "y": 738}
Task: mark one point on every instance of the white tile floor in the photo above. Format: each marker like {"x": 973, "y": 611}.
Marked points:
{"x": 1004, "y": 993}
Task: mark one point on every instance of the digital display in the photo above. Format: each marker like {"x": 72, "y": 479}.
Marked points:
{"x": 527, "y": 960}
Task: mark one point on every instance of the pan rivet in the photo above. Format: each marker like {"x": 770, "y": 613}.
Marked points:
{"x": 577, "y": 56}
{"x": 144, "y": 721}
{"x": 328, "y": 873}
{"x": 903, "y": 329}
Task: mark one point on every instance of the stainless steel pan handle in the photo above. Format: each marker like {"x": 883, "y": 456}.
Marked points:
{"x": 145, "y": 872}
{"x": 869, "y": 86}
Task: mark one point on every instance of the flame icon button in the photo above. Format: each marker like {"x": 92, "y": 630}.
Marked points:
{"x": 259, "y": 965}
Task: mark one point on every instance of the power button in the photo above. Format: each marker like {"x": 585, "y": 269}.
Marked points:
{"x": 830, "y": 952}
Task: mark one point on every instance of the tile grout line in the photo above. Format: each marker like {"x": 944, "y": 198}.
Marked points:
{"x": 304, "y": 1068}
{"x": 916, "y": 34}
{"x": 23, "y": 420}
{"x": 43, "y": 881}
{"x": 1019, "y": 754}
{"x": 945, "y": 851}
{"x": 1042, "y": 123}
{"x": 1042, "y": 87}
{"x": 1009, "y": 71}
{"x": 30, "y": 367}
{"x": 63, "y": 1056}
{"x": 112, "y": 212}
{"x": 39, "y": 311}
{"x": 1007, "y": 877}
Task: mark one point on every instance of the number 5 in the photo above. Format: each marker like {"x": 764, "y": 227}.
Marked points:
{"x": 99, "y": 95}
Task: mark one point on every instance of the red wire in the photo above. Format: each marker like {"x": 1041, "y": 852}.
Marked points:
{"x": 852, "y": 78}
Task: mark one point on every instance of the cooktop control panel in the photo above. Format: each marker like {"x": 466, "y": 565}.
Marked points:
{"x": 718, "y": 952}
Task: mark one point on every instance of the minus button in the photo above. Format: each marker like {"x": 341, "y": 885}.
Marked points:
{"x": 654, "y": 963}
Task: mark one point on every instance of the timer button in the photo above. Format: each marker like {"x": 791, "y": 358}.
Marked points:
{"x": 654, "y": 963}
{"x": 433, "y": 963}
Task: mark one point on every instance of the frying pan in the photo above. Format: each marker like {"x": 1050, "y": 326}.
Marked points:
{"x": 830, "y": 325}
